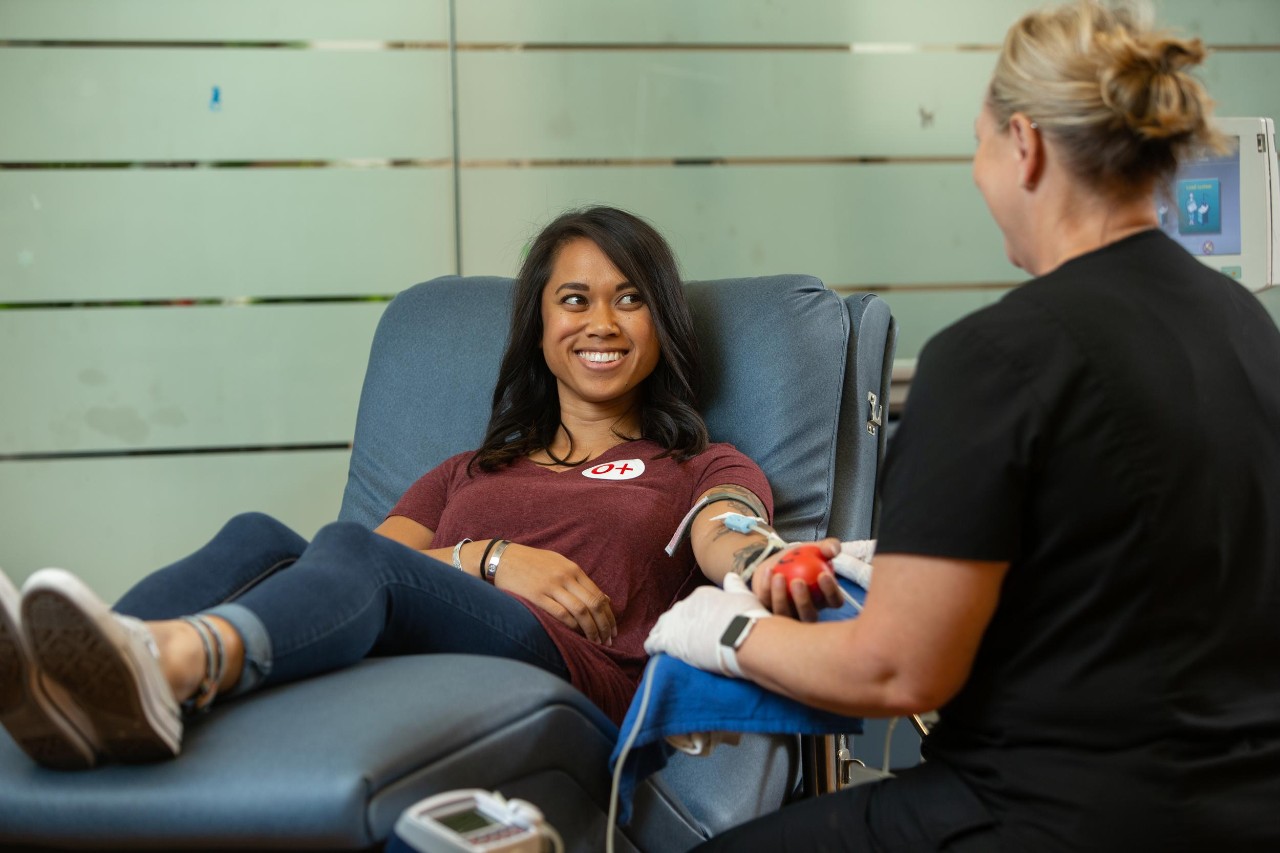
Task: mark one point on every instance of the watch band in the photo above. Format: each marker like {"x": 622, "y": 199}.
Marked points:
{"x": 735, "y": 634}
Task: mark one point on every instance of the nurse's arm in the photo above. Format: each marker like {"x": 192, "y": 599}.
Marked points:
{"x": 909, "y": 651}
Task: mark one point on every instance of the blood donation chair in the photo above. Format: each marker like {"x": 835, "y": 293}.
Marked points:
{"x": 796, "y": 377}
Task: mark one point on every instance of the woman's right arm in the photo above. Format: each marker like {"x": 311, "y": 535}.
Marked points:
{"x": 548, "y": 580}
{"x": 408, "y": 532}
{"x": 419, "y": 537}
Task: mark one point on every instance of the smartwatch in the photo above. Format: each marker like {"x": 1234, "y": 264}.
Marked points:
{"x": 734, "y": 636}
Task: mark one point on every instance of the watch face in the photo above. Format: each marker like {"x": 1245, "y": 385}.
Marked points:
{"x": 733, "y": 634}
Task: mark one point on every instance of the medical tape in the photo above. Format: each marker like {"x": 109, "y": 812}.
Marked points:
{"x": 683, "y": 529}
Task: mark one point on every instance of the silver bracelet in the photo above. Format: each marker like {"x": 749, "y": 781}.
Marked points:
{"x": 491, "y": 568}
{"x": 457, "y": 554}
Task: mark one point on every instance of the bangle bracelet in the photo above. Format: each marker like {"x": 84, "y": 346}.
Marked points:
{"x": 491, "y": 567}
{"x": 485, "y": 556}
{"x": 457, "y": 553}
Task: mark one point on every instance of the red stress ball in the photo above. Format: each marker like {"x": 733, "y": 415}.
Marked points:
{"x": 806, "y": 563}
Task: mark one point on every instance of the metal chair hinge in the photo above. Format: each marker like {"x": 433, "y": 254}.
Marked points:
{"x": 875, "y": 417}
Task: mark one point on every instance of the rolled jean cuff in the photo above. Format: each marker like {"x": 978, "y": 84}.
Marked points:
{"x": 257, "y": 644}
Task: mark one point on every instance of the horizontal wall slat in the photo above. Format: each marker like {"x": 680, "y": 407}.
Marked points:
{"x": 923, "y": 314}
{"x": 114, "y": 520}
{"x": 854, "y": 225}
{"x": 245, "y": 20}
{"x": 137, "y": 104}
{"x": 221, "y": 233}
{"x": 818, "y": 21}
{"x": 137, "y": 378}
{"x": 1224, "y": 21}
{"x": 1242, "y": 84}
{"x": 585, "y": 21}
{"x": 540, "y": 105}
{"x": 669, "y": 104}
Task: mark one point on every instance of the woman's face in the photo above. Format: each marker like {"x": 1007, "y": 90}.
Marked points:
{"x": 995, "y": 171}
{"x": 598, "y": 336}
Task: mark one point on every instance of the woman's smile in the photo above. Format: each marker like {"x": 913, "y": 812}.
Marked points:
{"x": 598, "y": 337}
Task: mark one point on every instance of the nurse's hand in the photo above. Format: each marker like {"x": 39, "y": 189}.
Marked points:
{"x": 559, "y": 586}
{"x": 692, "y": 628}
{"x": 796, "y": 600}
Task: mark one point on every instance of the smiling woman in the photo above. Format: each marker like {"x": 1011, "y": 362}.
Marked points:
{"x": 599, "y": 342}
{"x": 485, "y": 554}
{"x": 602, "y": 347}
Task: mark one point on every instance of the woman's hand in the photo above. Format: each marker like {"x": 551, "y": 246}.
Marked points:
{"x": 772, "y": 590}
{"x": 558, "y": 586}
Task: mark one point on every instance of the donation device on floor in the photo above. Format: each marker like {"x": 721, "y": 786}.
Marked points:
{"x": 471, "y": 820}
{"x": 1225, "y": 208}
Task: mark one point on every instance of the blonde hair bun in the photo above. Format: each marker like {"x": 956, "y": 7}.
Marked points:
{"x": 1115, "y": 95}
{"x": 1147, "y": 86}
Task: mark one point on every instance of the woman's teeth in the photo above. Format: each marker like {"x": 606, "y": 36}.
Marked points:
{"x": 600, "y": 357}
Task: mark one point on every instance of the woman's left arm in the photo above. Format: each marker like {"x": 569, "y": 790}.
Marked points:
{"x": 720, "y": 550}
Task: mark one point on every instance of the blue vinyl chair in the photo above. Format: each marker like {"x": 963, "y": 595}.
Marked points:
{"x": 796, "y": 378}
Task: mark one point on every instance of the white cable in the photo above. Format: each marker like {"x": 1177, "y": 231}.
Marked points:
{"x": 888, "y": 742}
{"x": 609, "y": 827}
{"x": 549, "y": 832}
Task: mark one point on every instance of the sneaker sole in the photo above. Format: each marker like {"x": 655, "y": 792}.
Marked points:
{"x": 94, "y": 662}
{"x": 39, "y": 717}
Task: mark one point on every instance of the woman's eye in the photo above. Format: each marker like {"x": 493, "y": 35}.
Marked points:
{"x": 631, "y": 299}
{"x": 574, "y": 299}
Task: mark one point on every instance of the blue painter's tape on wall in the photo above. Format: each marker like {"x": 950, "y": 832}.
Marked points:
{"x": 215, "y": 100}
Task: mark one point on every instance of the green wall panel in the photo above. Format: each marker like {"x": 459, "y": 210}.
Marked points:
{"x": 114, "y": 520}
{"x": 670, "y": 104}
{"x": 849, "y": 225}
{"x": 155, "y": 104}
{"x": 221, "y": 233}
{"x": 130, "y": 378}
{"x": 1271, "y": 299}
{"x": 246, "y": 20}
{"x": 1238, "y": 83}
{"x": 923, "y": 313}
{"x": 911, "y": 22}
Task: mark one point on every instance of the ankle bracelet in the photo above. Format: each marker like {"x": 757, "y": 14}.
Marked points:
{"x": 215, "y": 660}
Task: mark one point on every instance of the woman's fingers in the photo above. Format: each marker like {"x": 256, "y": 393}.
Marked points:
{"x": 830, "y": 589}
{"x": 593, "y": 621}
{"x": 561, "y": 588}
{"x": 590, "y": 609}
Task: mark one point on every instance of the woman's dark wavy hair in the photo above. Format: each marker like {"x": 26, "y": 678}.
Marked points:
{"x": 526, "y": 403}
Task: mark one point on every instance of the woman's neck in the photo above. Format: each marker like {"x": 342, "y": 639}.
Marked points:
{"x": 584, "y": 436}
{"x": 1078, "y": 222}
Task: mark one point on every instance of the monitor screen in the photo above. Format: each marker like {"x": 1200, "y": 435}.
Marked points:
{"x": 1200, "y": 208}
{"x": 1222, "y": 207}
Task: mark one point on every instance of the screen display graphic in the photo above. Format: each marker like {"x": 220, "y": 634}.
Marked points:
{"x": 1201, "y": 207}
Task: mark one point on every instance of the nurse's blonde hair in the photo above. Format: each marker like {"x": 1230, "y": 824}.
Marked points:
{"x": 1113, "y": 93}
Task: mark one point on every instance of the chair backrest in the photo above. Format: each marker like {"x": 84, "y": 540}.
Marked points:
{"x": 786, "y": 382}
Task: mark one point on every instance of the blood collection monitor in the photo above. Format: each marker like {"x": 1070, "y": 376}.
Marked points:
{"x": 470, "y": 821}
{"x": 1223, "y": 209}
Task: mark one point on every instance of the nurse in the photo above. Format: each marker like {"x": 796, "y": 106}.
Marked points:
{"x": 1079, "y": 551}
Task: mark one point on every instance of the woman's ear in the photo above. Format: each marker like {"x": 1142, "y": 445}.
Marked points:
{"x": 1029, "y": 149}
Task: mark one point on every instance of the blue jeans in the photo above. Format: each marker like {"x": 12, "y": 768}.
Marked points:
{"x": 303, "y": 609}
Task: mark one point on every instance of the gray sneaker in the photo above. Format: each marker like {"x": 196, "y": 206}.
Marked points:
{"x": 38, "y": 714}
{"x": 108, "y": 662}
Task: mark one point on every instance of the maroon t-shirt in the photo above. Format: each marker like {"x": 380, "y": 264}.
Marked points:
{"x": 612, "y": 516}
